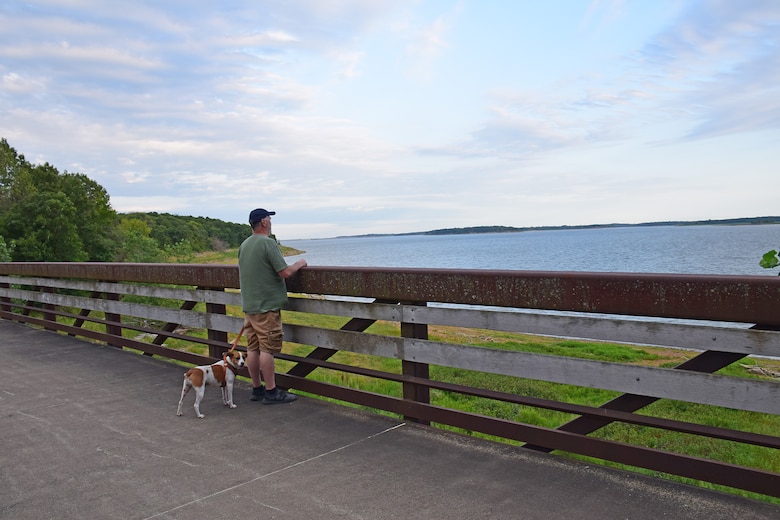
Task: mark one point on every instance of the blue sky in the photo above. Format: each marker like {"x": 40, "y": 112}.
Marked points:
{"x": 373, "y": 116}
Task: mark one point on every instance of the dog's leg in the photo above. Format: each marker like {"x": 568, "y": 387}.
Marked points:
{"x": 227, "y": 392}
{"x": 185, "y": 388}
{"x": 199, "y": 391}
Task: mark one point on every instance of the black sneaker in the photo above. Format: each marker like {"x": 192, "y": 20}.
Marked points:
{"x": 278, "y": 396}
{"x": 257, "y": 393}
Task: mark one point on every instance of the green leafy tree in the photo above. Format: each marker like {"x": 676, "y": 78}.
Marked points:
{"x": 49, "y": 216}
{"x": 5, "y": 251}
{"x": 96, "y": 217}
{"x": 180, "y": 252}
{"x": 201, "y": 233}
{"x": 170, "y": 230}
{"x": 135, "y": 244}
{"x": 770, "y": 260}
{"x": 44, "y": 225}
{"x": 15, "y": 177}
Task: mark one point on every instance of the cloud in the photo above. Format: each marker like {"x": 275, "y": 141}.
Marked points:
{"x": 603, "y": 13}
{"x": 74, "y": 54}
{"x": 385, "y": 114}
{"x": 349, "y": 63}
{"x": 715, "y": 71}
{"x": 427, "y": 42}
{"x": 15, "y": 84}
{"x": 723, "y": 58}
{"x": 143, "y": 204}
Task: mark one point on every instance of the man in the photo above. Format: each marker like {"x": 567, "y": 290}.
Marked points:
{"x": 262, "y": 272}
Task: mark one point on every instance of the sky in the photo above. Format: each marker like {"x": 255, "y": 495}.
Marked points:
{"x": 350, "y": 117}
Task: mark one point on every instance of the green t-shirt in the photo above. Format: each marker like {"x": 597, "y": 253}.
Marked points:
{"x": 259, "y": 263}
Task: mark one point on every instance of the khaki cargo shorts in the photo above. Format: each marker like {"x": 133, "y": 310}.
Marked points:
{"x": 264, "y": 331}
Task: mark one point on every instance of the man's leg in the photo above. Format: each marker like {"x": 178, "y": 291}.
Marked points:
{"x": 253, "y": 361}
{"x": 253, "y": 364}
{"x": 266, "y": 336}
{"x": 273, "y": 395}
{"x": 268, "y": 368}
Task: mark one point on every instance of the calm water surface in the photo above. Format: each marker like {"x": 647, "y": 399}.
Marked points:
{"x": 661, "y": 249}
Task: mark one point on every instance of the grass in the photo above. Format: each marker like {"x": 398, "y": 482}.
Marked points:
{"x": 230, "y": 256}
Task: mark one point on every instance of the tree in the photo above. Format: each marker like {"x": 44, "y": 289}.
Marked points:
{"x": 770, "y": 260}
{"x": 180, "y": 252}
{"x": 44, "y": 227}
{"x": 49, "y": 216}
{"x": 201, "y": 233}
{"x": 15, "y": 179}
{"x": 96, "y": 217}
{"x": 135, "y": 244}
{"x": 5, "y": 252}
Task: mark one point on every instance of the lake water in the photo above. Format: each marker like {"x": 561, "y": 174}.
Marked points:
{"x": 657, "y": 249}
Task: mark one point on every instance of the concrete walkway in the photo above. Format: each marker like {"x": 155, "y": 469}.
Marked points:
{"x": 90, "y": 432}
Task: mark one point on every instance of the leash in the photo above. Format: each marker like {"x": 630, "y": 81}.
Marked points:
{"x": 232, "y": 348}
{"x": 235, "y": 341}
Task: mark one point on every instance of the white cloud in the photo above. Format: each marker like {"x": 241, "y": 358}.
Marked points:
{"x": 428, "y": 42}
{"x": 15, "y": 84}
{"x": 142, "y": 204}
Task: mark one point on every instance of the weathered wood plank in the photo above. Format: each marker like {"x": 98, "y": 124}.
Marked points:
{"x": 151, "y": 291}
{"x": 365, "y": 310}
{"x": 193, "y": 319}
{"x": 730, "y": 392}
{"x": 613, "y": 329}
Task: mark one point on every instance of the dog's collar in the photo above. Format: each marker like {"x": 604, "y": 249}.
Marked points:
{"x": 229, "y": 365}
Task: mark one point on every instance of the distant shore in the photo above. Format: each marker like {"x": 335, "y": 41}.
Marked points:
{"x": 747, "y": 221}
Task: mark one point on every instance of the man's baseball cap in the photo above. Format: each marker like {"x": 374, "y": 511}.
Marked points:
{"x": 259, "y": 214}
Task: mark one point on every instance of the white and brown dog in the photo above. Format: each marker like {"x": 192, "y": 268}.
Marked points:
{"x": 221, "y": 373}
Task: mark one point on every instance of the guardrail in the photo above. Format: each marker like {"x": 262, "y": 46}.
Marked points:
{"x": 685, "y": 311}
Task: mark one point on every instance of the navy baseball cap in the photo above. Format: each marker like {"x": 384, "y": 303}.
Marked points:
{"x": 259, "y": 214}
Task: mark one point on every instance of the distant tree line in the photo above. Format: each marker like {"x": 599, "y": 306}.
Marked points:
{"x": 52, "y": 216}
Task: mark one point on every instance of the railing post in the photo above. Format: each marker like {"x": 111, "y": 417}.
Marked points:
{"x": 115, "y": 330}
{"x": 216, "y": 308}
{"x": 412, "y": 391}
{"x": 5, "y": 302}
{"x": 47, "y": 308}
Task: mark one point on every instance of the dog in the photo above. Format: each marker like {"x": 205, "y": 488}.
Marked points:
{"x": 221, "y": 373}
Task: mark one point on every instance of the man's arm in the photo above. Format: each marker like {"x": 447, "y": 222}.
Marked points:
{"x": 292, "y": 269}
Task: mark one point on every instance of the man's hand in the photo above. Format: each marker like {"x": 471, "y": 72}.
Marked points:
{"x": 292, "y": 269}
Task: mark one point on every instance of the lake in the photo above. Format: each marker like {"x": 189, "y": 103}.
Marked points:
{"x": 715, "y": 249}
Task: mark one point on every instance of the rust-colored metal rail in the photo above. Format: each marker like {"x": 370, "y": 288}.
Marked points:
{"x": 747, "y": 299}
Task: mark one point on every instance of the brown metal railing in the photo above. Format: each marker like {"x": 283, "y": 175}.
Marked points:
{"x": 124, "y": 304}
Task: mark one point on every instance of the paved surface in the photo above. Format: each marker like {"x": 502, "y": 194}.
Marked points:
{"x": 90, "y": 432}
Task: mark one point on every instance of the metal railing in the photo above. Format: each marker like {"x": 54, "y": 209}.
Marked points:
{"x": 130, "y": 305}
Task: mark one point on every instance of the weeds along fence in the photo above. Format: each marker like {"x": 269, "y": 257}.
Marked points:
{"x": 724, "y": 319}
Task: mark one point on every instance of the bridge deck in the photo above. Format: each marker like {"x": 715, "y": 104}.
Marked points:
{"x": 89, "y": 431}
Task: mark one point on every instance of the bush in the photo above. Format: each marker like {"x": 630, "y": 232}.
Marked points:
{"x": 770, "y": 260}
